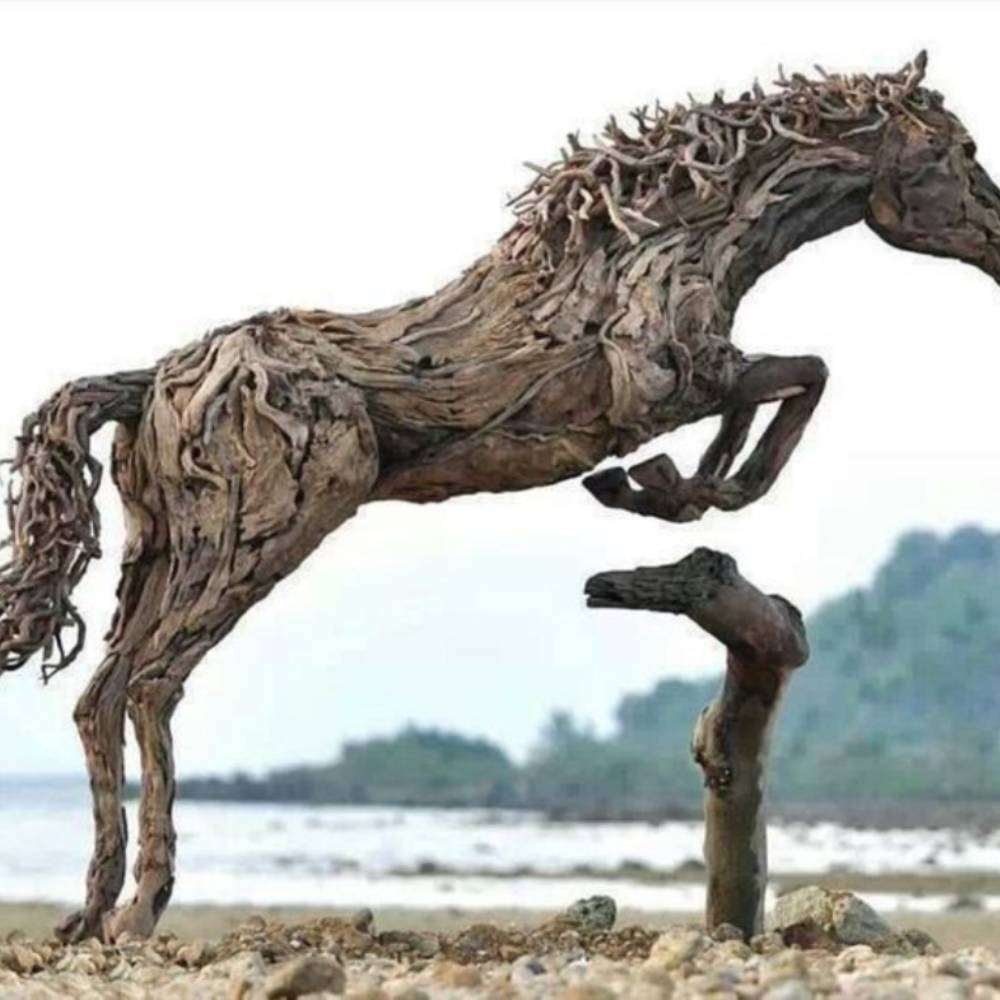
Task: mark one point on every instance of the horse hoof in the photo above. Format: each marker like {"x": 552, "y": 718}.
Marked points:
{"x": 78, "y": 926}
{"x": 129, "y": 921}
{"x": 610, "y": 486}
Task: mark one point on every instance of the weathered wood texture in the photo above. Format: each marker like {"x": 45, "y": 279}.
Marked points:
{"x": 600, "y": 320}
{"x": 765, "y": 640}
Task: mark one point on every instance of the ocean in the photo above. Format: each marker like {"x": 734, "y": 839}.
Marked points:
{"x": 346, "y": 856}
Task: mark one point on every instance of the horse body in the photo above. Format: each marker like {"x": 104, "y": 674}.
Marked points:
{"x": 601, "y": 320}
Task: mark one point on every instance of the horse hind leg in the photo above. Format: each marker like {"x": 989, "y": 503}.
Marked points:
{"x": 231, "y": 541}
{"x": 99, "y": 717}
{"x": 100, "y": 712}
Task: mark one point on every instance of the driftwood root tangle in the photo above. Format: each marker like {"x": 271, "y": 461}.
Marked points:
{"x": 765, "y": 639}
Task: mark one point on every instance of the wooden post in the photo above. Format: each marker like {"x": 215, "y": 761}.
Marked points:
{"x": 765, "y": 640}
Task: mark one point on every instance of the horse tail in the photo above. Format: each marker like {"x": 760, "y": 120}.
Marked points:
{"x": 53, "y": 518}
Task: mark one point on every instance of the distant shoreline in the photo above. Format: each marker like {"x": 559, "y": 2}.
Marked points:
{"x": 966, "y": 886}
{"x": 863, "y": 815}
{"x": 932, "y": 814}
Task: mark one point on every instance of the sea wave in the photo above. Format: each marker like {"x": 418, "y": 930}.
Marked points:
{"x": 346, "y": 855}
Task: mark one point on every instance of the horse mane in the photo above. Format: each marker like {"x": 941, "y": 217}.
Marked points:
{"x": 625, "y": 176}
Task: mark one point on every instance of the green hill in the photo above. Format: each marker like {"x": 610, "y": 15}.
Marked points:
{"x": 899, "y": 702}
{"x": 901, "y": 698}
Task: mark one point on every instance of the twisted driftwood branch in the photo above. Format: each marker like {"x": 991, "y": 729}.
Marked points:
{"x": 766, "y": 640}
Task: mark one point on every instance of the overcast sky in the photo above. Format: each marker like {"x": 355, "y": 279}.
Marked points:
{"x": 167, "y": 169}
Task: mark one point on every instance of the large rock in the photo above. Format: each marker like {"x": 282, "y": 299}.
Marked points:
{"x": 597, "y": 913}
{"x": 841, "y": 915}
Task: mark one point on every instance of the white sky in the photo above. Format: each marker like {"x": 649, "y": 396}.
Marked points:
{"x": 169, "y": 168}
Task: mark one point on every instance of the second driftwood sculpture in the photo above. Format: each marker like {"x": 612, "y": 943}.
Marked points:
{"x": 765, "y": 641}
{"x": 600, "y": 320}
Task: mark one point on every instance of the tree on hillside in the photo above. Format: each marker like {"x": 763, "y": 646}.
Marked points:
{"x": 900, "y": 702}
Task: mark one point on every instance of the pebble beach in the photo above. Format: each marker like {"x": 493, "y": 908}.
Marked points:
{"x": 820, "y": 943}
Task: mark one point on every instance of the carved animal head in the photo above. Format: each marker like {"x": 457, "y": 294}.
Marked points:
{"x": 930, "y": 195}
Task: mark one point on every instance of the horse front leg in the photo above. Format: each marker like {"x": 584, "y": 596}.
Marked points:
{"x": 797, "y": 382}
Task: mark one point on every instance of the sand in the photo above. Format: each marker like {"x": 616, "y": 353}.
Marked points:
{"x": 955, "y": 929}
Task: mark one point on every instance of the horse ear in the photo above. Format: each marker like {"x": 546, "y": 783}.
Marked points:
{"x": 915, "y": 69}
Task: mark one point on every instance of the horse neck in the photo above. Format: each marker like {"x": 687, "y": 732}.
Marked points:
{"x": 815, "y": 192}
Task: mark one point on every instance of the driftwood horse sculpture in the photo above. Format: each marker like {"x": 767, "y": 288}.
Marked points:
{"x": 601, "y": 319}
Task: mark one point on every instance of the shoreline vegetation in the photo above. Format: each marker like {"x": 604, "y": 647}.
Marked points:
{"x": 868, "y": 736}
